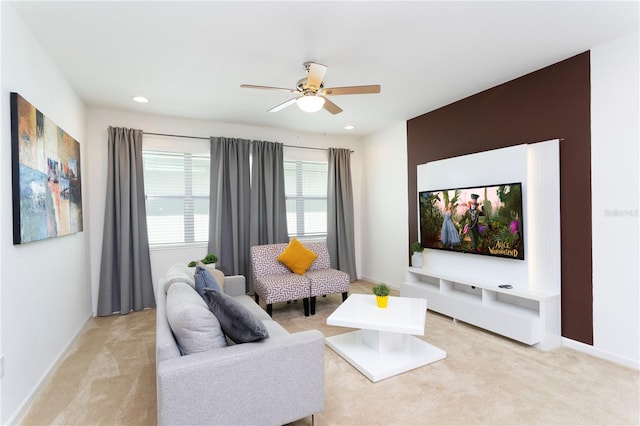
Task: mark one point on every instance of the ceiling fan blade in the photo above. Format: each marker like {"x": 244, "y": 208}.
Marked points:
{"x": 283, "y": 105}
{"x": 331, "y": 107}
{"x": 352, "y": 90}
{"x": 282, "y": 89}
{"x": 316, "y": 75}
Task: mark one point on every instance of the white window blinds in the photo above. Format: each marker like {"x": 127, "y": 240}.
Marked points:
{"x": 306, "y": 194}
{"x": 177, "y": 196}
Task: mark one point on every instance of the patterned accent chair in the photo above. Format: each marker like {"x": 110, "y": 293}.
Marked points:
{"x": 323, "y": 279}
{"x": 275, "y": 283}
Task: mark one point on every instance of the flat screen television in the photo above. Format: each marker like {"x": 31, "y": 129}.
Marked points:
{"x": 485, "y": 220}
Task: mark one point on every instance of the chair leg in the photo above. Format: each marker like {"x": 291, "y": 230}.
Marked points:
{"x": 270, "y": 309}
{"x": 305, "y": 304}
{"x": 313, "y": 305}
{"x": 312, "y": 420}
{"x": 344, "y": 296}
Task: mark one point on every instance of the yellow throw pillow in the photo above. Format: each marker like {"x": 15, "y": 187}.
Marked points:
{"x": 297, "y": 257}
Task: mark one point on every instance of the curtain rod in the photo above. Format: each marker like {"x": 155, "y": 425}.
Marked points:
{"x": 206, "y": 139}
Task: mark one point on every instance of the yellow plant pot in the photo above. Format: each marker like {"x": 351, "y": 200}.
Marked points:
{"x": 382, "y": 301}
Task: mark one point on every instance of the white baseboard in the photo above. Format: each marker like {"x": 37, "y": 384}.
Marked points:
{"x": 367, "y": 278}
{"x": 599, "y": 353}
{"x": 25, "y": 404}
{"x": 375, "y": 281}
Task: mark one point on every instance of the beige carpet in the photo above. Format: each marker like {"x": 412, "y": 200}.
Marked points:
{"x": 108, "y": 378}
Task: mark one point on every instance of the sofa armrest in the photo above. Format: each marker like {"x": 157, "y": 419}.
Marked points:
{"x": 234, "y": 285}
{"x": 274, "y": 381}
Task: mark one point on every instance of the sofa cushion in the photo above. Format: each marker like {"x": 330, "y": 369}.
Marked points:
{"x": 178, "y": 273}
{"x": 252, "y": 306}
{"x": 275, "y": 329}
{"x": 204, "y": 279}
{"x": 297, "y": 257}
{"x": 237, "y": 322}
{"x": 195, "y": 328}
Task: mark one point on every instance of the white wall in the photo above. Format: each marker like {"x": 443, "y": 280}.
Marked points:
{"x": 98, "y": 120}
{"x": 384, "y": 241}
{"x": 615, "y": 183}
{"x": 3, "y": 110}
{"x": 45, "y": 297}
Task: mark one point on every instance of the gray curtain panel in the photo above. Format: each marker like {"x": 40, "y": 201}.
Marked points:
{"x": 268, "y": 204}
{"x": 125, "y": 270}
{"x": 340, "y": 222}
{"x": 230, "y": 204}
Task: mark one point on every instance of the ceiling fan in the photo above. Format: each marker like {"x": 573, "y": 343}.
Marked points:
{"x": 311, "y": 93}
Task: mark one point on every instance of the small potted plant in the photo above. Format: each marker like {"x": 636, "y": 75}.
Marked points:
{"x": 381, "y": 291}
{"x": 416, "y": 256}
{"x": 209, "y": 260}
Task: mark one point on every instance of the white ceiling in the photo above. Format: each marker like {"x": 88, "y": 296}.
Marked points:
{"x": 189, "y": 58}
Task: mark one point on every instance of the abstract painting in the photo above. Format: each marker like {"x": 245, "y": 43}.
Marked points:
{"x": 47, "y": 195}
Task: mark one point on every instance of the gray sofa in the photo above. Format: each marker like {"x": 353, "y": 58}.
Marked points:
{"x": 273, "y": 381}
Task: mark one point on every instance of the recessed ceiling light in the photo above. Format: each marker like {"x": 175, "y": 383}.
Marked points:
{"x": 140, "y": 99}
{"x": 349, "y": 127}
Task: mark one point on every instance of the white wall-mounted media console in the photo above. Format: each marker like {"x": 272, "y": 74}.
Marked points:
{"x": 531, "y": 317}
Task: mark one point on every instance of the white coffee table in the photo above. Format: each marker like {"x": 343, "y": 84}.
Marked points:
{"x": 384, "y": 345}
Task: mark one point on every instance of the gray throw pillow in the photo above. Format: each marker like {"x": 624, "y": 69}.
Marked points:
{"x": 205, "y": 279}
{"x": 195, "y": 328}
{"x": 237, "y": 322}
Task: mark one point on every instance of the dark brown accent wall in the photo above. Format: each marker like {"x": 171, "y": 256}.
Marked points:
{"x": 552, "y": 103}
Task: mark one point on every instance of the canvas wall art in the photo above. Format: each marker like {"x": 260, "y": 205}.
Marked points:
{"x": 47, "y": 194}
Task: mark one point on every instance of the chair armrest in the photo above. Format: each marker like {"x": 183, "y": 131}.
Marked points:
{"x": 274, "y": 381}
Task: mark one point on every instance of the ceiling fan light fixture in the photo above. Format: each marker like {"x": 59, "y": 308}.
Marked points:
{"x": 310, "y": 92}
{"x": 310, "y": 103}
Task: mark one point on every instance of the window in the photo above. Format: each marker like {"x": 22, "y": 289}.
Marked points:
{"x": 177, "y": 196}
{"x": 305, "y": 182}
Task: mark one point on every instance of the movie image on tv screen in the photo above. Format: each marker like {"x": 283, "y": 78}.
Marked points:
{"x": 481, "y": 220}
